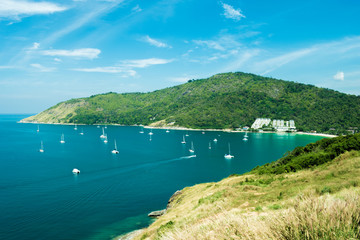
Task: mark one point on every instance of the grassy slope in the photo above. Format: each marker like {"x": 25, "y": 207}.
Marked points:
{"x": 297, "y": 202}
{"x": 222, "y": 101}
{"x": 286, "y": 206}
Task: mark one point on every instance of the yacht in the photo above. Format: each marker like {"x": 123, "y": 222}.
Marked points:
{"x": 115, "y": 151}
{"x": 192, "y": 150}
{"x": 62, "y": 140}
{"x": 183, "y": 141}
{"x": 42, "y": 147}
{"x": 228, "y": 156}
{"x": 75, "y": 171}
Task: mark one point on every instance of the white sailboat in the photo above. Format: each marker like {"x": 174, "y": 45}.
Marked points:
{"x": 228, "y": 156}
{"x": 187, "y": 134}
{"x": 105, "y": 140}
{"x": 62, "y": 140}
{"x": 183, "y": 141}
{"x": 167, "y": 130}
{"x": 38, "y": 129}
{"x": 192, "y": 150}
{"x": 82, "y": 132}
{"x": 141, "y": 130}
{"x": 41, "y": 147}
{"x": 209, "y": 145}
{"x": 150, "y": 133}
{"x": 115, "y": 151}
{"x": 245, "y": 137}
{"x": 215, "y": 140}
{"x": 103, "y": 133}
{"x": 75, "y": 171}
{"x": 75, "y": 127}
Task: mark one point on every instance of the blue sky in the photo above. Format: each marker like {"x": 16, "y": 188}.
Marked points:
{"x": 51, "y": 51}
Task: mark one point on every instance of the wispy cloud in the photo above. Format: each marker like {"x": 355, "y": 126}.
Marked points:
{"x": 35, "y": 46}
{"x": 143, "y": 63}
{"x": 41, "y": 68}
{"x": 126, "y": 67}
{"x": 16, "y": 9}
{"x": 339, "y": 76}
{"x": 271, "y": 64}
{"x": 155, "y": 42}
{"x": 232, "y": 13}
{"x": 89, "y": 53}
{"x": 127, "y": 72}
{"x": 6, "y": 67}
{"x": 210, "y": 44}
{"x": 136, "y": 9}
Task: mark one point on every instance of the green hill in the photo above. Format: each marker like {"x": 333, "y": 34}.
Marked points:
{"x": 222, "y": 101}
{"x": 321, "y": 201}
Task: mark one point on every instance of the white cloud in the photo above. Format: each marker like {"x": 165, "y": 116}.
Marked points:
{"x": 15, "y": 9}
{"x": 41, "y": 68}
{"x": 271, "y": 64}
{"x": 35, "y": 46}
{"x": 89, "y": 53}
{"x": 143, "y": 63}
{"x": 210, "y": 44}
{"x": 136, "y": 9}
{"x": 108, "y": 70}
{"x": 6, "y": 67}
{"x": 339, "y": 76}
{"x": 57, "y": 60}
{"x": 126, "y": 67}
{"x": 155, "y": 43}
{"x": 232, "y": 13}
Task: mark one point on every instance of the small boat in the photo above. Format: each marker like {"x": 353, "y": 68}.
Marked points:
{"x": 141, "y": 130}
{"x": 215, "y": 140}
{"x": 38, "y": 129}
{"x": 105, "y": 127}
{"x": 42, "y": 147}
{"x": 187, "y": 134}
{"x": 75, "y": 128}
{"x": 167, "y": 130}
{"x": 203, "y": 132}
{"x": 82, "y": 132}
{"x": 209, "y": 145}
{"x": 115, "y": 151}
{"x": 245, "y": 137}
{"x": 75, "y": 171}
{"x": 103, "y": 134}
{"x": 151, "y": 133}
{"x": 228, "y": 156}
{"x": 183, "y": 141}
{"x": 98, "y": 126}
{"x": 192, "y": 150}
{"x": 62, "y": 140}
{"x": 105, "y": 140}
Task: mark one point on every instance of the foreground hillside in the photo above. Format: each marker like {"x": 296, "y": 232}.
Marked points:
{"x": 321, "y": 201}
{"x": 222, "y": 101}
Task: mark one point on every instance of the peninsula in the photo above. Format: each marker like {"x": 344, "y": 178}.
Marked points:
{"x": 223, "y": 101}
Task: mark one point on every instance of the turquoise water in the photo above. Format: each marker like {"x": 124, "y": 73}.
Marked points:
{"x": 41, "y": 198}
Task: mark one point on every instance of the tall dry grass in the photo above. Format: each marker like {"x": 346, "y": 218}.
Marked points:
{"x": 324, "y": 217}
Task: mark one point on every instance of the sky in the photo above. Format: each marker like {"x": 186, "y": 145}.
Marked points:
{"x": 56, "y": 50}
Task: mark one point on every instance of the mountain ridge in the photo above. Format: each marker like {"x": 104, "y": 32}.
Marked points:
{"x": 225, "y": 100}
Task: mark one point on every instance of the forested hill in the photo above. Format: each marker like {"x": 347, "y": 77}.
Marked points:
{"x": 227, "y": 100}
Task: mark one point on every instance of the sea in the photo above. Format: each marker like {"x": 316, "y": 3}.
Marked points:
{"x": 40, "y": 197}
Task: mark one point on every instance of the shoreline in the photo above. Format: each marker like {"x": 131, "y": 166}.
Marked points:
{"x": 189, "y": 129}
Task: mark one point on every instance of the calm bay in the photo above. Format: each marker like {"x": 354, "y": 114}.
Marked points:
{"x": 42, "y": 199}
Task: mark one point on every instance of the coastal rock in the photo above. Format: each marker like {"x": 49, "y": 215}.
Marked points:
{"x": 172, "y": 198}
{"x": 156, "y": 214}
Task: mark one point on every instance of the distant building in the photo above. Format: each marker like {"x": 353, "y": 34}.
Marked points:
{"x": 277, "y": 124}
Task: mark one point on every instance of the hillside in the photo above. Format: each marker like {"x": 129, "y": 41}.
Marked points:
{"x": 317, "y": 202}
{"x": 222, "y": 101}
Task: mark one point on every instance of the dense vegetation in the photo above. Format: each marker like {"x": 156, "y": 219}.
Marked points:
{"x": 226, "y": 100}
{"x": 311, "y": 155}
